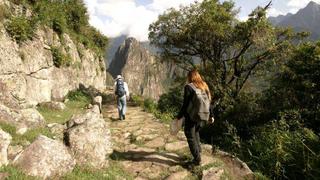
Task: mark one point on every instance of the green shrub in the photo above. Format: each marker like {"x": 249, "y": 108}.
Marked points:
{"x": 284, "y": 148}
{"x": 59, "y": 58}
{"x": 149, "y": 105}
{"x": 78, "y": 95}
{"x": 137, "y": 100}
{"x": 171, "y": 102}
{"x": 20, "y": 28}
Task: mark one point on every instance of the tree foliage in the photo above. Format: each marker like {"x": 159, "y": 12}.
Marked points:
{"x": 276, "y": 129}
{"x": 228, "y": 50}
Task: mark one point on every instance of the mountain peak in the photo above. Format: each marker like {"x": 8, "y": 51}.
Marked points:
{"x": 313, "y": 6}
{"x": 312, "y": 3}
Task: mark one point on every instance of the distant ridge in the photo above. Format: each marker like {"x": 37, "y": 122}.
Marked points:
{"x": 306, "y": 19}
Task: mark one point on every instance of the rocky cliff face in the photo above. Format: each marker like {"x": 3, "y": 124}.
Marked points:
{"x": 145, "y": 76}
{"x": 28, "y": 75}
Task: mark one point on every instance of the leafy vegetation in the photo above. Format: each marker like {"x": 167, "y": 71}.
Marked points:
{"x": 274, "y": 128}
{"x": 59, "y": 58}
{"x": 69, "y": 17}
{"x": 20, "y": 28}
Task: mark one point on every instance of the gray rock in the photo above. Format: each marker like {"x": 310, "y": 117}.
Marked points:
{"x": 45, "y": 158}
{"x": 57, "y": 130}
{"x": 179, "y": 175}
{"x": 22, "y": 119}
{"x": 213, "y": 174}
{"x": 175, "y": 146}
{"x": 13, "y": 151}
{"x": 98, "y": 101}
{"x": 156, "y": 143}
{"x": 28, "y": 73}
{"x": 5, "y": 140}
{"x": 139, "y": 69}
{"x": 89, "y": 139}
{"x": 32, "y": 118}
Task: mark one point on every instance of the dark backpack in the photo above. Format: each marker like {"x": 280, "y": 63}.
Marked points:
{"x": 120, "y": 91}
{"x": 199, "y": 106}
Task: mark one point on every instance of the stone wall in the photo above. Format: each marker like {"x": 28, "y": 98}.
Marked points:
{"x": 28, "y": 76}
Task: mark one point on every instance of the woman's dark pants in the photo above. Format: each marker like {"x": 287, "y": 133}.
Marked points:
{"x": 191, "y": 130}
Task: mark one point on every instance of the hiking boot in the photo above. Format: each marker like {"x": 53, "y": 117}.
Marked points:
{"x": 124, "y": 117}
{"x": 196, "y": 162}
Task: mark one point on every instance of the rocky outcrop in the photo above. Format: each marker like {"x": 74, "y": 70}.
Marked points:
{"x": 22, "y": 119}
{"x": 5, "y": 140}
{"x": 27, "y": 73}
{"x": 45, "y": 158}
{"x": 88, "y": 137}
{"x": 143, "y": 73}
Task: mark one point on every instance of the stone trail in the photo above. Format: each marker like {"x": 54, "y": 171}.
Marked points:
{"x": 145, "y": 149}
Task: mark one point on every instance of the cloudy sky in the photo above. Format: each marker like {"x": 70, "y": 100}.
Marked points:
{"x": 132, "y": 17}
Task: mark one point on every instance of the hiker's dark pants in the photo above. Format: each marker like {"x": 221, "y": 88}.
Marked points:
{"x": 191, "y": 130}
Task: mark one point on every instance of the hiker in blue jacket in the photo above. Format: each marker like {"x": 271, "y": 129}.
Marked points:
{"x": 192, "y": 126}
{"x": 121, "y": 90}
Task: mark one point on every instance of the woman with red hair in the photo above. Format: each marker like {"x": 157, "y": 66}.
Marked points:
{"x": 192, "y": 126}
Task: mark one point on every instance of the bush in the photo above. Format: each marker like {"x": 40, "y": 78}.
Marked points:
{"x": 20, "y": 28}
{"x": 149, "y": 105}
{"x": 284, "y": 148}
{"x": 67, "y": 17}
{"x": 171, "y": 102}
{"x": 78, "y": 95}
{"x": 60, "y": 59}
{"x": 137, "y": 100}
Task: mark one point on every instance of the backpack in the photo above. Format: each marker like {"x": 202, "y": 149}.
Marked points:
{"x": 199, "y": 106}
{"x": 120, "y": 91}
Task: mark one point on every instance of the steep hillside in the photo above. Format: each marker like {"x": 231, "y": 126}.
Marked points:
{"x": 46, "y": 65}
{"x": 306, "y": 19}
{"x": 143, "y": 73}
{"x": 113, "y": 47}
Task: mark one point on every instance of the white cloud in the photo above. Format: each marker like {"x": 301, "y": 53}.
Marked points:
{"x": 275, "y": 12}
{"x": 117, "y": 17}
{"x": 295, "y": 5}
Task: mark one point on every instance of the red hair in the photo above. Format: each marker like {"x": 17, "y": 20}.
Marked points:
{"x": 195, "y": 78}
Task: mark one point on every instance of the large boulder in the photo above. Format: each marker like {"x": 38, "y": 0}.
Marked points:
{"x": 5, "y": 140}
{"x": 22, "y": 119}
{"x": 45, "y": 158}
{"x": 89, "y": 138}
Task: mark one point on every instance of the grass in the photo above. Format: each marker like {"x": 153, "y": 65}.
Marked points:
{"x": 30, "y": 135}
{"x": 260, "y": 176}
{"x": 57, "y": 116}
{"x": 15, "y": 174}
{"x": 114, "y": 171}
{"x": 76, "y": 105}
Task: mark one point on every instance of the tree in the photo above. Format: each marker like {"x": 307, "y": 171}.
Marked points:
{"x": 296, "y": 86}
{"x": 228, "y": 50}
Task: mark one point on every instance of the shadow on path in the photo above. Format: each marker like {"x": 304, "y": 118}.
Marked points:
{"x": 142, "y": 156}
